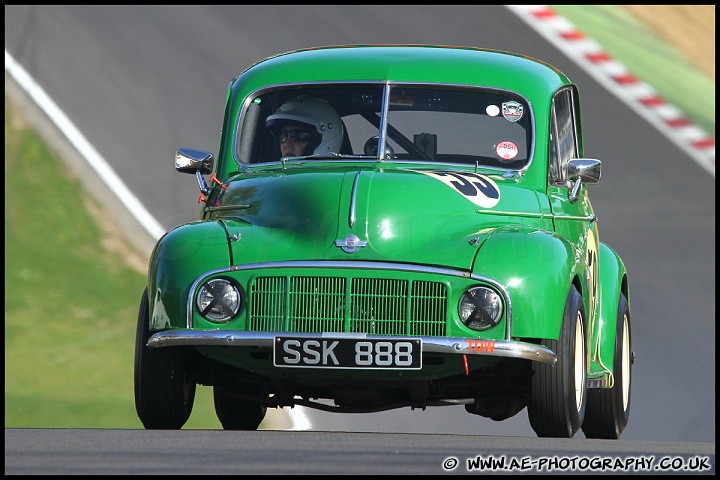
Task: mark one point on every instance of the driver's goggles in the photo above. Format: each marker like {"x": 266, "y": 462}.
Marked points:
{"x": 294, "y": 135}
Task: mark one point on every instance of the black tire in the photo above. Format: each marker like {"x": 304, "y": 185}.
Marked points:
{"x": 558, "y": 393}
{"x": 237, "y": 413}
{"x": 164, "y": 393}
{"x": 608, "y": 409}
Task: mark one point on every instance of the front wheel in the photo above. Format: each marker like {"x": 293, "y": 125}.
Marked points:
{"x": 164, "y": 392}
{"x": 557, "y": 400}
{"x": 608, "y": 409}
{"x": 235, "y": 411}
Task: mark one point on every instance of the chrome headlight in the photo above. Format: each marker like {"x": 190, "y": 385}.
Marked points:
{"x": 219, "y": 300}
{"x": 480, "y": 308}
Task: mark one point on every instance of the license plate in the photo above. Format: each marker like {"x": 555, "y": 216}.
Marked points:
{"x": 348, "y": 353}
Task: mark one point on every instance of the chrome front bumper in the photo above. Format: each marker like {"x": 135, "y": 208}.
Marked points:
{"x": 456, "y": 345}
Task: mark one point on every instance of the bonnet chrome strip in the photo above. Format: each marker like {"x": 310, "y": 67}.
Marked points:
{"x": 353, "y": 200}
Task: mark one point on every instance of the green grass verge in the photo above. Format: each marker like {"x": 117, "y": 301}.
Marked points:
{"x": 70, "y": 305}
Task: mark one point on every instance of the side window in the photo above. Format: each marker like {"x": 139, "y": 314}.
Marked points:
{"x": 563, "y": 141}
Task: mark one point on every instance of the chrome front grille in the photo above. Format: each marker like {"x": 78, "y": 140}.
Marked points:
{"x": 338, "y": 304}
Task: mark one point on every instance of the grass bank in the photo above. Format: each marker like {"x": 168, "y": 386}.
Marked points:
{"x": 70, "y": 304}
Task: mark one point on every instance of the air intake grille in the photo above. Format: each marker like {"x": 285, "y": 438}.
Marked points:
{"x": 337, "y": 304}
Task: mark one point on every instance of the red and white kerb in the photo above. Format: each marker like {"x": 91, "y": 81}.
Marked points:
{"x": 613, "y": 75}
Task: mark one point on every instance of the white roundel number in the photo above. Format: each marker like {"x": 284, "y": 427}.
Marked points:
{"x": 477, "y": 188}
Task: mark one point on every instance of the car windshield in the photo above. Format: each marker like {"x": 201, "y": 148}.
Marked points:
{"x": 416, "y": 123}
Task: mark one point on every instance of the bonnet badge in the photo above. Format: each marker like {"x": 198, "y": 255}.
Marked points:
{"x": 351, "y": 243}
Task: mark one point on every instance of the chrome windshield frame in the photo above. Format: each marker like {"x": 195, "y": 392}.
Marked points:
{"x": 382, "y": 139}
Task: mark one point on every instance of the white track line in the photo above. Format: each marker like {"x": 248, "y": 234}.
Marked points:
{"x": 78, "y": 140}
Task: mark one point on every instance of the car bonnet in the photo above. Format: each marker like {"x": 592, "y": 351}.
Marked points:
{"x": 368, "y": 213}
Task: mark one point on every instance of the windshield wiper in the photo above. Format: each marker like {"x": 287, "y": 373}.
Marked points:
{"x": 325, "y": 156}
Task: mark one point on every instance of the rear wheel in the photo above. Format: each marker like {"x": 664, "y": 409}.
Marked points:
{"x": 164, "y": 392}
{"x": 608, "y": 409}
{"x": 557, "y": 400}
{"x": 234, "y": 410}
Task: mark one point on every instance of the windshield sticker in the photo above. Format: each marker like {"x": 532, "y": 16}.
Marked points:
{"x": 477, "y": 188}
{"x": 405, "y": 100}
{"x": 512, "y": 111}
{"x": 506, "y": 150}
{"x": 492, "y": 110}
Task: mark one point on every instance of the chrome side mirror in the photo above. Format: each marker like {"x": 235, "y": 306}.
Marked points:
{"x": 199, "y": 162}
{"x": 190, "y": 160}
{"x": 579, "y": 170}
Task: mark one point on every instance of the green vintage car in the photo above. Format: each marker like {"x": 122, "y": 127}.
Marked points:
{"x": 391, "y": 226}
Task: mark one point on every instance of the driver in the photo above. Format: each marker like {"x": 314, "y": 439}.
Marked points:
{"x": 306, "y": 126}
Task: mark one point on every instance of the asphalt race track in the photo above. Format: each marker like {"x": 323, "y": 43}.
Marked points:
{"x": 210, "y": 452}
{"x": 141, "y": 81}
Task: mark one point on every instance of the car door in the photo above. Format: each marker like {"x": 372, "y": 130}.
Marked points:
{"x": 574, "y": 219}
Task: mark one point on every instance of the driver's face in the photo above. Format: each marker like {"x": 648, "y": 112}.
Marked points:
{"x": 290, "y": 147}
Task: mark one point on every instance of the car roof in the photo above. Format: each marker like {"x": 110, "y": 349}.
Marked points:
{"x": 407, "y": 63}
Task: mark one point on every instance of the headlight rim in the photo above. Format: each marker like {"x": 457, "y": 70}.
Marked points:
{"x": 234, "y": 310}
{"x": 486, "y": 323}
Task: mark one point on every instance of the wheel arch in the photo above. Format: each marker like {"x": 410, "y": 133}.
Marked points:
{"x": 534, "y": 253}
{"x": 179, "y": 258}
{"x": 613, "y": 281}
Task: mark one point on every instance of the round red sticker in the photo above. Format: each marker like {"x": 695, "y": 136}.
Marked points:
{"x": 506, "y": 150}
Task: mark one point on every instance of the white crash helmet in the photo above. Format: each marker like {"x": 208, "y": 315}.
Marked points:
{"x": 319, "y": 115}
